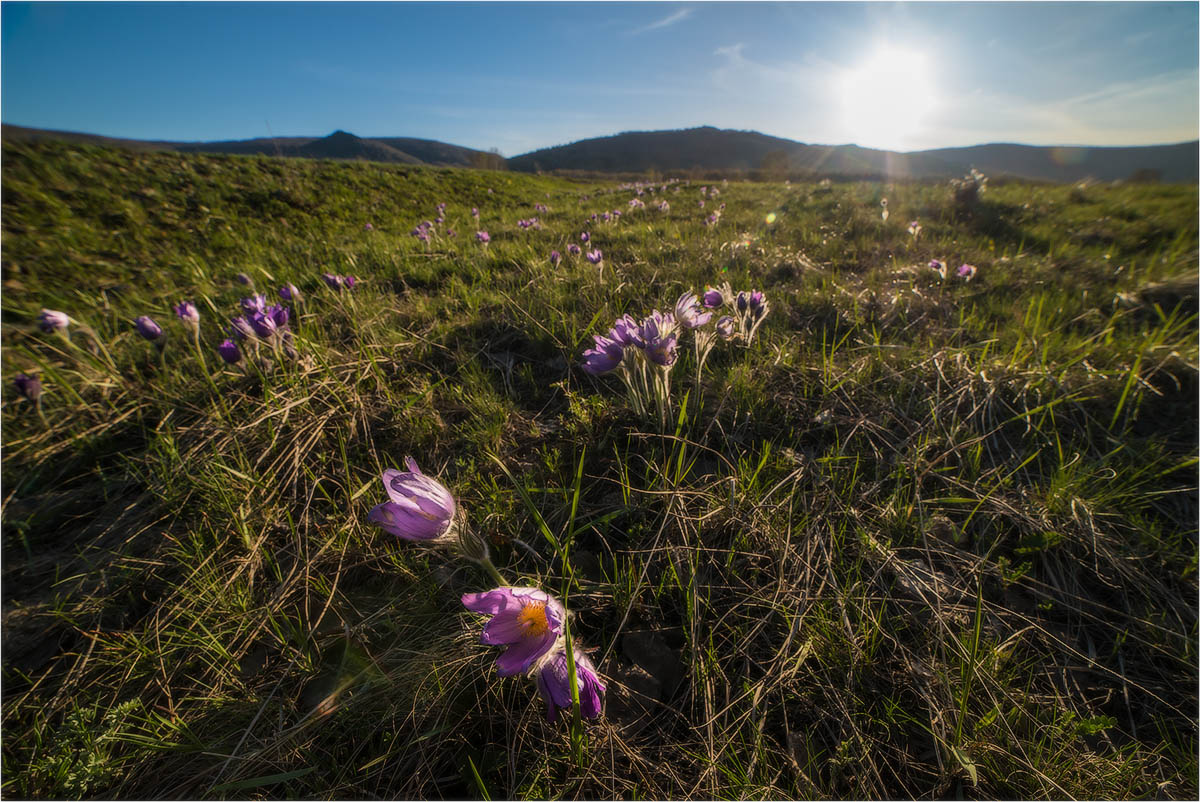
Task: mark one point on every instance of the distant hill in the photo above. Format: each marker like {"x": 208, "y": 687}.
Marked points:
{"x": 721, "y": 149}
{"x": 708, "y": 149}
{"x": 338, "y": 145}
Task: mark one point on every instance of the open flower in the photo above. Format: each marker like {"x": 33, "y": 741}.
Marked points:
{"x": 595, "y": 257}
{"x": 420, "y": 508}
{"x": 689, "y": 312}
{"x": 554, "y": 683}
{"x": 725, "y": 328}
{"x": 966, "y": 271}
{"x": 483, "y": 237}
{"x": 255, "y": 303}
{"x": 607, "y": 354}
{"x": 528, "y": 620}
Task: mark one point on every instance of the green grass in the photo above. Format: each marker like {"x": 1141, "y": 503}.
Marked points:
{"x": 919, "y": 539}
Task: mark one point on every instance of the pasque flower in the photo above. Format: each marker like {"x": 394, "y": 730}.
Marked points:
{"x": 188, "y": 313}
{"x": 148, "y": 328}
{"x": 938, "y": 266}
{"x": 51, "y": 321}
{"x": 689, "y": 312}
{"x": 289, "y": 292}
{"x": 483, "y": 237}
{"x": 554, "y": 683}
{"x": 607, "y": 354}
{"x": 230, "y": 352}
{"x": 555, "y": 258}
{"x": 967, "y": 271}
{"x": 29, "y": 387}
{"x": 574, "y": 249}
{"x": 595, "y": 257}
{"x": 255, "y": 303}
{"x": 528, "y": 620}
{"x": 420, "y": 508}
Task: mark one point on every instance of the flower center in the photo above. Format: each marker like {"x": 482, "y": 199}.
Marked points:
{"x": 533, "y": 619}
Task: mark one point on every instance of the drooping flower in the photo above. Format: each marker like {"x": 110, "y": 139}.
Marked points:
{"x": 230, "y": 352}
{"x": 187, "y": 312}
{"x": 554, "y": 683}
{"x": 528, "y": 620}
{"x": 967, "y": 271}
{"x": 420, "y": 508}
{"x": 606, "y": 356}
{"x": 29, "y": 387}
{"x": 689, "y": 312}
{"x": 148, "y": 328}
{"x": 51, "y": 321}
{"x": 289, "y": 292}
{"x": 595, "y": 257}
{"x": 483, "y": 237}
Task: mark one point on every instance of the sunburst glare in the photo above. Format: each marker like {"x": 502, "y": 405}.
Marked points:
{"x": 887, "y": 99}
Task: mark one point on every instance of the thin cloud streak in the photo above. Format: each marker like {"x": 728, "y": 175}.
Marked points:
{"x": 678, "y": 16}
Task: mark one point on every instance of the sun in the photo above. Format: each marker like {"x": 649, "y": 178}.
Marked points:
{"x": 887, "y": 99}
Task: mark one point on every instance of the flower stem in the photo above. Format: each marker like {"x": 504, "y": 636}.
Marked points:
{"x": 487, "y": 565}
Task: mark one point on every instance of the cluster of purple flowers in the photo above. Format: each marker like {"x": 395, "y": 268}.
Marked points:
{"x": 259, "y": 323}
{"x": 532, "y": 222}
{"x": 423, "y": 231}
{"x": 336, "y": 283}
{"x": 749, "y": 310}
{"x": 529, "y": 621}
{"x": 541, "y": 207}
{"x": 636, "y": 204}
{"x": 965, "y": 271}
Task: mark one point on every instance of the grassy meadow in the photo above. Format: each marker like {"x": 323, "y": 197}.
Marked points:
{"x": 921, "y": 537}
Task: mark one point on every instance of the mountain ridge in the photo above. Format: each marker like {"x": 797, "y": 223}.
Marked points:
{"x": 707, "y": 148}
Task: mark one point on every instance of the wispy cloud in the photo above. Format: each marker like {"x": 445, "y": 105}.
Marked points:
{"x": 678, "y": 16}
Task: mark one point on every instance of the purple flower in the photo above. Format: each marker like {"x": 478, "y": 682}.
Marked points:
{"x": 450, "y": 233}
{"x": 241, "y": 328}
{"x": 938, "y": 266}
{"x": 701, "y": 204}
{"x": 440, "y": 220}
{"x": 51, "y": 321}
{"x": 712, "y": 297}
{"x": 420, "y": 508}
{"x": 914, "y": 228}
{"x": 188, "y": 313}
{"x": 230, "y": 352}
{"x": 279, "y": 314}
{"x": 263, "y": 324}
{"x": 574, "y": 249}
{"x": 244, "y": 279}
{"x": 585, "y": 237}
{"x": 755, "y": 301}
{"x": 742, "y": 302}
{"x": 663, "y": 350}
{"x": 29, "y": 387}
{"x": 554, "y": 683}
{"x": 348, "y": 281}
{"x": 255, "y": 303}
{"x": 689, "y": 312}
{"x": 555, "y": 258}
{"x": 595, "y": 256}
{"x": 334, "y": 282}
{"x": 289, "y": 292}
{"x": 967, "y": 271}
{"x": 725, "y": 328}
{"x": 368, "y": 227}
{"x": 657, "y": 326}
{"x": 527, "y": 620}
{"x": 604, "y": 216}
{"x": 606, "y": 356}
{"x": 626, "y": 331}
{"x": 475, "y": 212}
{"x": 483, "y": 237}
{"x": 147, "y": 328}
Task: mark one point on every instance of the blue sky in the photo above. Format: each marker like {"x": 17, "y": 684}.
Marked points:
{"x": 519, "y": 76}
